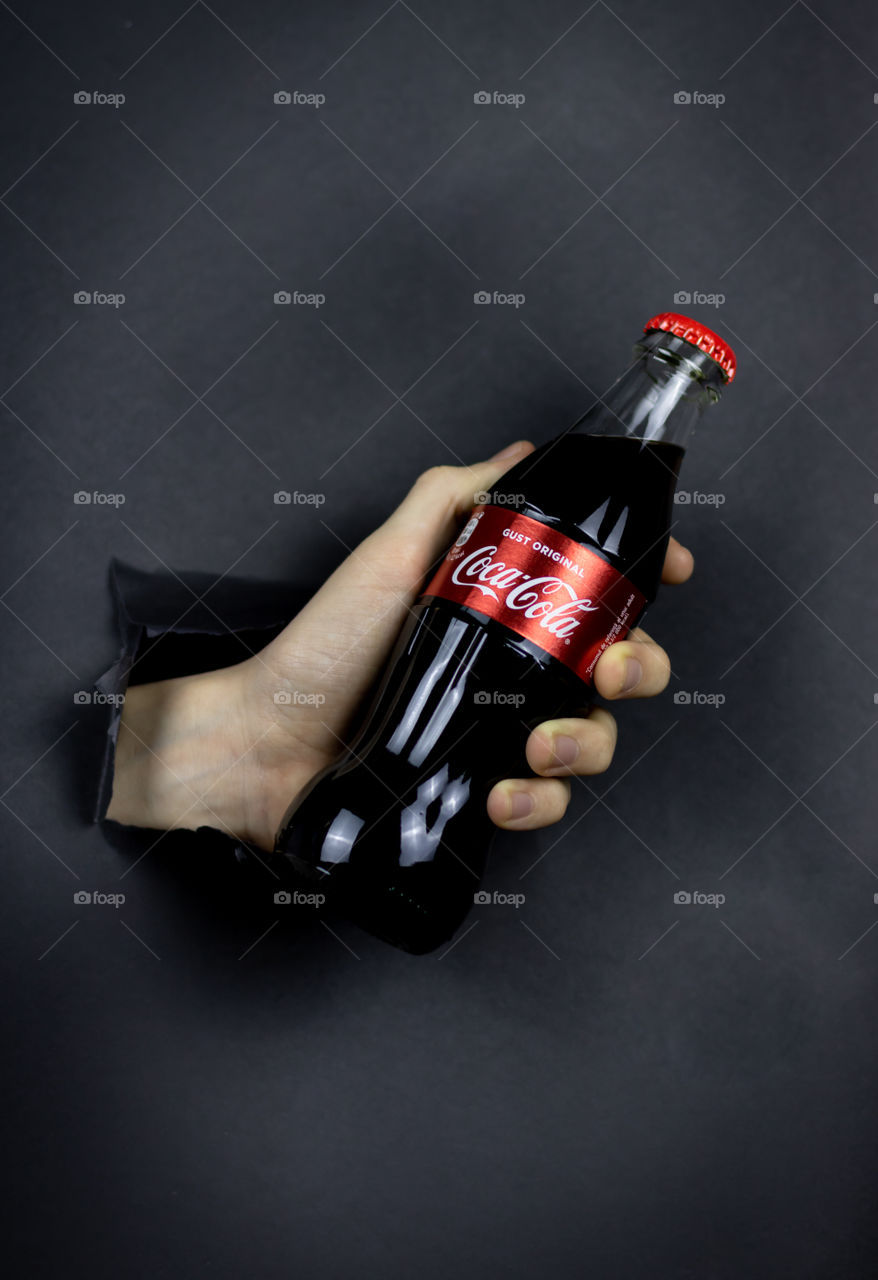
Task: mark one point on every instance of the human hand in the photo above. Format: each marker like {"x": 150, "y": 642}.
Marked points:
{"x": 221, "y": 750}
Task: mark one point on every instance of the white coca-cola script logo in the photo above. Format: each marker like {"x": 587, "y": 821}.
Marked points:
{"x": 523, "y": 592}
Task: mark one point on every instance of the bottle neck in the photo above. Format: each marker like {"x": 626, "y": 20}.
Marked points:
{"x": 660, "y": 396}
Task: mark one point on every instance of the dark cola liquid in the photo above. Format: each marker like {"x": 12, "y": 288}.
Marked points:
{"x": 397, "y": 831}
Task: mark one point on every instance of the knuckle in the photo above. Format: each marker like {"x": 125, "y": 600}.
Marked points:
{"x": 560, "y": 799}
{"x": 606, "y": 748}
{"x": 663, "y": 667}
{"x": 538, "y": 750}
{"x": 603, "y": 740}
{"x": 440, "y": 477}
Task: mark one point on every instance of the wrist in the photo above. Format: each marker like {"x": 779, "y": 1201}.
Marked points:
{"x": 180, "y": 762}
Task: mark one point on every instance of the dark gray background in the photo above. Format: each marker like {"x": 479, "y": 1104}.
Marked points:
{"x": 602, "y": 1082}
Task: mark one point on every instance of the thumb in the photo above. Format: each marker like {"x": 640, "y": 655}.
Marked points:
{"x": 430, "y": 513}
{"x": 361, "y": 606}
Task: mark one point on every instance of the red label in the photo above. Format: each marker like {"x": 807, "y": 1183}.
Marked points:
{"x": 545, "y": 587}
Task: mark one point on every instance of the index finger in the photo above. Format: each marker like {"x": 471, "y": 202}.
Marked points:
{"x": 679, "y": 563}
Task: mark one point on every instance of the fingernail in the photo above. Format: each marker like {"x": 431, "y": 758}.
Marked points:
{"x": 565, "y": 750}
{"x": 508, "y": 451}
{"x": 633, "y": 675}
{"x": 520, "y": 805}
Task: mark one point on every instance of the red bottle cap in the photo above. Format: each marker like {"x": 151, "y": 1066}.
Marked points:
{"x": 699, "y": 335}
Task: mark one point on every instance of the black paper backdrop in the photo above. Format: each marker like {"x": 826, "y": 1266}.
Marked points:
{"x": 603, "y": 1082}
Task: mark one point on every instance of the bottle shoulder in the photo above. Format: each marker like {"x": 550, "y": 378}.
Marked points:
{"x": 610, "y": 494}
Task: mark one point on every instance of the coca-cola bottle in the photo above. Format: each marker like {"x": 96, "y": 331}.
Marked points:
{"x": 542, "y": 578}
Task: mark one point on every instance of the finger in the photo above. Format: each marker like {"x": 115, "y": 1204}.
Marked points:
{"x": 433, "y": 508}
{"x": 477, "y": 480}
{"x": 573, "y": 745}
{"x": 633, "y": 668}
{"x": 679, "y": 563}
{"x": 385, "y": 572}
{"x": 524, "y": 804}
